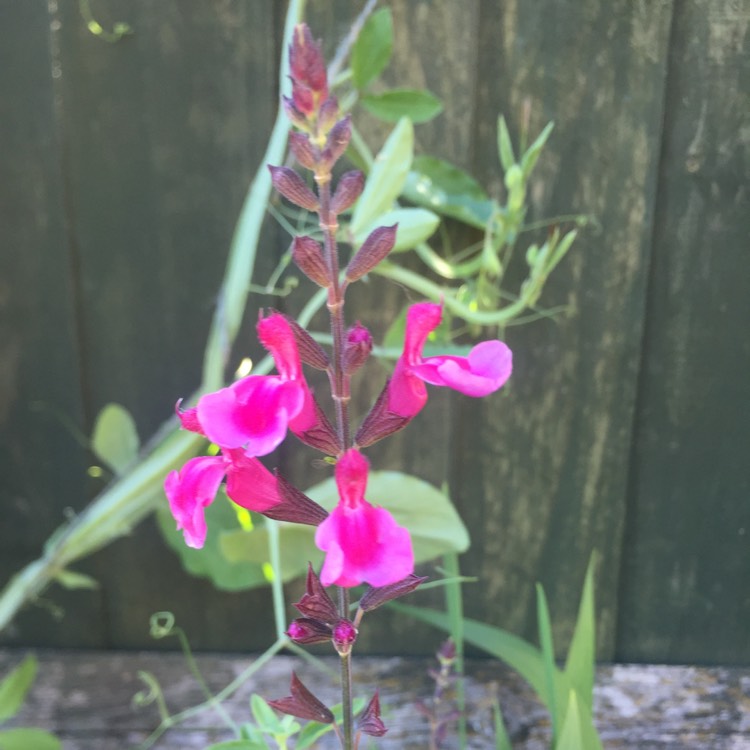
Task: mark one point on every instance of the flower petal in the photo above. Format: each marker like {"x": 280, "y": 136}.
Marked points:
{"x": 189, "y": 491}
{"x": 363, "y": 545}
{"x": 277, "y": 335}
{"x": 253, "y": 413}
{"x": 407, "y": 394}
{"x": 421, "y": 320}
{"x": 486, "y": 369}
{"x": 250, "y": 484}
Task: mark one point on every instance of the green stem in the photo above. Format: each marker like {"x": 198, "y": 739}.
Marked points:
{"x": 277, "y": 585}
{"x": 455, "y": 608}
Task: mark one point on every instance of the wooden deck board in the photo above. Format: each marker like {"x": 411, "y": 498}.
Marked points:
{"x": 85, "y": 697}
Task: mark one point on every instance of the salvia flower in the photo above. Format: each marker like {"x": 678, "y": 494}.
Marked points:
{"x": 194, "y": 486}
{"x": 255, "y": 412}
{"x": 363, "y": 543}
{"x": 486, "y": 369}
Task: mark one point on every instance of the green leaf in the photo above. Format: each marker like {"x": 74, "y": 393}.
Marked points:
{"x": 210, "y": 561}
{"x": 570, "y": 737}
{"x": 441, "y": 186}
{"x": 386, "y": 178}
{"x": 548, "y": 655}
{"x": 504, "y": 145}
{"x": 415, "y": 225}
{"x": 427, "y": 513}
{"x": 15, "y": 686}
{"x": 502, "y": 739}
{"x": 28, "y": 739}
{"x": 580, "y": 663}
{"x": 372, "y": 50}
{"x": 235, "y": 745}
{"x": 115, "y": 438}
{"x": 417, "y": 105}
{"x": 532, "y": 153}
{"x": 264, "y": 716}
{"x": 70, "y": 579}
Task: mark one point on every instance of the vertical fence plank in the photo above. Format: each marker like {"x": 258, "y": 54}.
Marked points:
{"x": 42, "y": 465}
{"x": 540, "y": 470}
{"x": 684, "y": 596}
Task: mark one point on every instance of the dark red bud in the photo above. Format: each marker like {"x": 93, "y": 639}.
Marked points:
{"x": 306, "y": 63}
{"x": 357, "y": 348}
{"x": 303, "y": 98}
{"x": 304, "y": 152}
{"x": 344, "y": 635}
{"x": 329, "y": 114}
{"x": 302, "y": 704}
{"x": 315, "y": 603}
{"x": 380, "y": 422}
{"x": 293, "y": 188}
{"x": 308, "y": 256}
{"x": 349, "y": 188}
{"x": 338, "y": 140}
{"x": 310, "y": 351}
{"x": 296, "y": 117}
{"x": 369, "y": 720}
{"x": 374, "y": 249}
{"x": 306, "y": 630}
{"x": 375, "y": 597}
{"x": 447, "y": 653}
{"x": 295, "y": 506}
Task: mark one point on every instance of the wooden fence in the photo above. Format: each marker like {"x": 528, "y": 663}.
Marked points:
{"x": 626, "y": 425}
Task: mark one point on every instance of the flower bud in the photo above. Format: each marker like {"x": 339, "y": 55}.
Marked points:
{"x": 307, "y": 254}
{"x": 328, "y": 115}
{"x": 357, "y": 348}
{"x": 293, "y": 188}
{"x": 295, "y": 506}
{"x": 378, "y": 244}
{"x": 315, "y": 603}
{"x": 338, "y": 140}
{"x": 306, "y": 63}
{"x": 306, "y": 630}
{"x": 369, "y": 721}
{"x": 296, "y": 117}
{"x": 375, "y": 597}
{"x": 302, "y": 704}
{"x": 349, "y": 188}
{"x": 304, "y": 152}
{"x": 344, "y": 635}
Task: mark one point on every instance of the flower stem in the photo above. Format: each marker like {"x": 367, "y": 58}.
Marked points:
{"x": 346, "y": 677}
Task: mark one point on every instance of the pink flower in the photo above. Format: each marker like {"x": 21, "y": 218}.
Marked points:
{"x": 255, "y": 412}
{"x": 194, "y": 487}
{"x": 486, "y": 369}
{"x": 362, "y": 542}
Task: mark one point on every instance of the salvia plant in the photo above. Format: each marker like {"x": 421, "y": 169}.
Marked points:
{"x": 363, "y": 543}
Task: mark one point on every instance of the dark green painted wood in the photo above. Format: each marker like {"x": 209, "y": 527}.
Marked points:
{"x": 158, "y": 137}
{"x": 540, "y": 470}
{"x": 42, "y": 466}
{"x": 686, "y": 575}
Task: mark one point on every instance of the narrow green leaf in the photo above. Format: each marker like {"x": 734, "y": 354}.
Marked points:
{"x": 570, "y": 736}
{"x": 28, "y": 739}
{"x": 415, "y": 225}
{"x": 442, "y": 187}
{"x": 311, "y": 733}
{"x": 372, "y": 50}
{"x": 504, "y": 145}
{"x": 580, "y": 663}
{"x": 387, "y": 176}
{"x": 532, "y": 153}
{"x": 15, "y": 686}
{"x": 502, "y": 740}
{"x": 548, "y": 654}
{"x": 70, "y": 579}
{"x": 115, "y": 438}
{"x": 417, "y": 105}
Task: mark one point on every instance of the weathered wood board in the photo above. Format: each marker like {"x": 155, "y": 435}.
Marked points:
{"x": 86, "y": 698}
